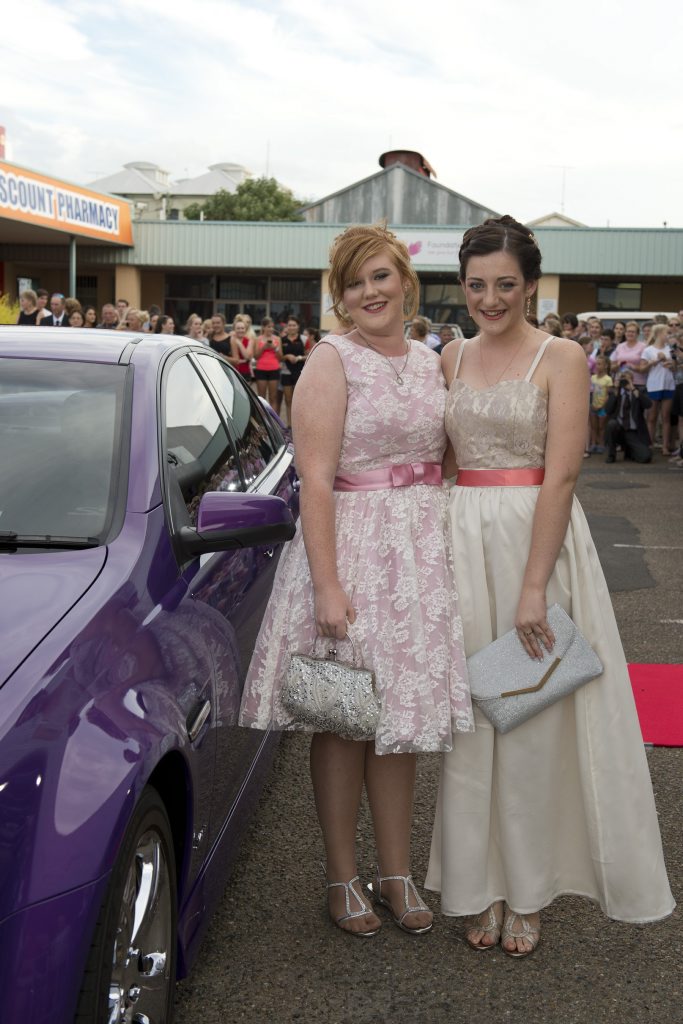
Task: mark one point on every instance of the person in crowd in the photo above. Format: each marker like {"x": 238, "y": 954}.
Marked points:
{"x": 660, "y": 384}
{"x": 193, "y": 329}
{"x": 268, "y": 354}
{"x": 165, "y": 324}
{"x": 562, "y": 803}
{"x": 135, "y": 320}
{"x": 57, "y": 317}
{"x": 293, "y": 359}
{"x": 311, "y": 339}
{"x": 619, "y": 332}
{"x": 29, "y": 309}
{"x": 153, "y": 314}
{"x": 241, "y": 347}
{"x": 207, "y": 328}
{"x": 626, "y": 426}
{"x": 110, "y": 318}
{"x": 607, "y": 343}
{"x": 89, "y": 316}
{"x": 594, "y": 330}
{"x": 220, "y": 339}
{"x": 370, "y": 559}
{"x": 445, "y": 338}
{"x": 677, "y": 405}
{"x": 76, "y": 318}
{"x": 419, "y": 329}
{"x": 122, "y": 310}
{"x": 70, "y": 304}
{"x": 601, "y": 382}
{"x": 43, "y": 303}
{"x": 628, "y": 355}
{"x": 250, "y": 332}
{"x": 572, "y": 328}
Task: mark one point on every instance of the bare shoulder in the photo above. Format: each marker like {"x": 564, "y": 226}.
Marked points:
{"x": 449, "y": 357}
{"x": 565, "y": 356}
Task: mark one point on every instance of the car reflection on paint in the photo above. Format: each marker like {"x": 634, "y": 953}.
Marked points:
{"x": 145, "y": 495}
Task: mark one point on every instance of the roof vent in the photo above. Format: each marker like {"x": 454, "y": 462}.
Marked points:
{"x": 409, "y": 158}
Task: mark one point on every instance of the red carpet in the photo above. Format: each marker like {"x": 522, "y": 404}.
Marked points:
{"x": 658, "y": 690}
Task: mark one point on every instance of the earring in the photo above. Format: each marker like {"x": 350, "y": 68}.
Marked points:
{"x": 528, "y": 305}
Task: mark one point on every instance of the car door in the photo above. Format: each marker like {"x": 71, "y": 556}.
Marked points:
{"x": 240, "y": 592}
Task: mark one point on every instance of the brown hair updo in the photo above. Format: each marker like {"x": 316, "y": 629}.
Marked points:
{"x": 360, "y": 243}
{"x": 502, "y": 234}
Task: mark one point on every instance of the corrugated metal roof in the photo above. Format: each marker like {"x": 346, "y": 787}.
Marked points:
{"x": 596, "y": 252}
{"x": 623, "y": 252}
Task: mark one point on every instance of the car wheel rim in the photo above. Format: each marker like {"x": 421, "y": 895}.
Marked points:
{"x": 141, "y": 957}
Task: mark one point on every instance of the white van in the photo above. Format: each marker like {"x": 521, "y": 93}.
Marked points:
{"x": 608, "y": 317}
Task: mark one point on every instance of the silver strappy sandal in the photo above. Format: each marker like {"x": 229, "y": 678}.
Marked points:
{"x": 492, "y": 926}
{"x": 349, "y": 890}
{"x": 531, "y": 935}
{"x": 409, "y": 891}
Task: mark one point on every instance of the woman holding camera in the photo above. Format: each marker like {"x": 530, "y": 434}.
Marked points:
{"x": 563, "y": 802}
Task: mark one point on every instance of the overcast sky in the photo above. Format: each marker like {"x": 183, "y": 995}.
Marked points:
{"x": 524, "y": 106}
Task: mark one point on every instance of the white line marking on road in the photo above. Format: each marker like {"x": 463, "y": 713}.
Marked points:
{"x": 649, "y": 547}
{"x": 676, "y": 622}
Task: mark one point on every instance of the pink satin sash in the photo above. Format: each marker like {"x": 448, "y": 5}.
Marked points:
{"x": 405, "y": 475}
{"x": 499, "y": 477}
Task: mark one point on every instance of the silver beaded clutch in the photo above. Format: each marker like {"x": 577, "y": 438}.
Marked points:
{"x": 509, "y": 687}
{"x": 330, "y": 696}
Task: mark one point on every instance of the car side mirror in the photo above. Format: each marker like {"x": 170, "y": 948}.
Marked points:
{"x": 227, "y": 520}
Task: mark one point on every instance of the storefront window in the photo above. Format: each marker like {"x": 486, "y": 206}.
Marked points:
{"x": 230, "y": 294}
{"x": 299, "y": 289}
{"x": 624, "y": 296}
{"x": 242, "y": 287}
{"x": 443, "y": 301}
{"x": 189, "y": 286}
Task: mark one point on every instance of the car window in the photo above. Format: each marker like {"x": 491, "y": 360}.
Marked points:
{"x": 199, "y": 452}
{"x": 60, "y": 445}
{"x": 256, "y": 446}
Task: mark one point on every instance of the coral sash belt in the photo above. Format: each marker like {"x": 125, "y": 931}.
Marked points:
{"x": 405, "y": 475}
{"x": 499, "y": 477}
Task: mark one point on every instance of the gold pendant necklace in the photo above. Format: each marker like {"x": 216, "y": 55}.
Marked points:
{"x": 400, "y": 380}
{"x": 505, "y": 368}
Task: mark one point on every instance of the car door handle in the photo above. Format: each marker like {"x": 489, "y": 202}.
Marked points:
{"x": 197, "y": 719}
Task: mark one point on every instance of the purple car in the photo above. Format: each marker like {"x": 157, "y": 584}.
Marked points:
{"x": 145, "y": 495}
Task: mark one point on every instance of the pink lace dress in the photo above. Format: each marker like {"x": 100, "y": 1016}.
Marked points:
{"x": 394, "y": 561}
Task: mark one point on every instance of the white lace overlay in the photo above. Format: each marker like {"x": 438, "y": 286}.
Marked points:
{"x": 394, "y": 561}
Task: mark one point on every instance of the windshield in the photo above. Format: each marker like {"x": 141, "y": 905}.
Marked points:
{"x": 60, "y": 439}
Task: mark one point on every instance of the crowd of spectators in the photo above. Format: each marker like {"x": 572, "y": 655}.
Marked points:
{"x": 636, "y": 370}
{"x": 636, "y": 384}
{"x": 271, "y": 360}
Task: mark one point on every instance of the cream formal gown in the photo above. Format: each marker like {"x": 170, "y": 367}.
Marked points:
{"x": 562, "y": 804}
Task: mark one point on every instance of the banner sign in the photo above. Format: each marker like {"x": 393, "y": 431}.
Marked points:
{"x": 433, "y": 248}
{"x": 46, "y": 202}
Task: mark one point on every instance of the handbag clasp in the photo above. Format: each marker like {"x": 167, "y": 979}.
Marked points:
{"x": 538, "y": 686}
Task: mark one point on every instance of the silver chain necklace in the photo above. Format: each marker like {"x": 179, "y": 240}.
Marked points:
{"x": 400, "y": 380}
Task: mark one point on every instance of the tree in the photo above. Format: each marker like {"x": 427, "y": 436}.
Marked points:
{"x": 254, "y": 199}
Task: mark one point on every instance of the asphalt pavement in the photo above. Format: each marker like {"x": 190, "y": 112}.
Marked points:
{"x": 272, "y": 955}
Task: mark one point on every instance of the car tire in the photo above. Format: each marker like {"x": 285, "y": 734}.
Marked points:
{"x": 131, "y": 970}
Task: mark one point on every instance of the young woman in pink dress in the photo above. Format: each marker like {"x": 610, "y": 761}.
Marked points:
{"x": 370, "y": 558}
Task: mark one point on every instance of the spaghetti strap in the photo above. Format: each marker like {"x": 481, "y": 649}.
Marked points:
{"x": 457, "y": 362}
{"x": 538, "y": 357}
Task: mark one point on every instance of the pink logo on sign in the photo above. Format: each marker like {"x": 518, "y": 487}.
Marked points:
{"x": 414, "y": 248}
